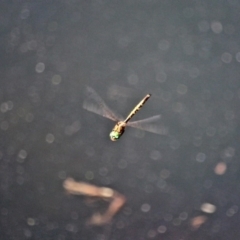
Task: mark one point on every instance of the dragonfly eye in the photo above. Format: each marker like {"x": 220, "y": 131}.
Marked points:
{"x": 114, "y": 136}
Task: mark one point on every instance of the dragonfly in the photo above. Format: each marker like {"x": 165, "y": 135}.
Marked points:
{"x": 94, "y": 103}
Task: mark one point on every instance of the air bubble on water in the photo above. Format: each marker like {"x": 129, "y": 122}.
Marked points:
{"x": 133, "y": 79}
{"x": 183, "y": 216}
{"x": 164, "y": 174}
{"x": 151, "y": 233}
{"x": 155, "y": 155}
{"x": 162, "y": 229}
{"x": 177, "y": 222}
{"x": 4, "y": 107}
{"x": 20, "y": 170}
{"x": 89, "y": 175}
{"x": 62, "y": 175}
{"x": 122, "y": 164}
{"x": 24, "y": 13}
{"x": 163, "y": 45}
{"x": 216, "y": 27}
{"x": 177, "y": 107}
{"x": 22, "y": 154}
{"x": 201, "y": 157}
{"x": 40, "y": 67}
{"x": 161, "y": 76}
{"x": 145, "y": 207}
{"x": 50, "y": 138}
{"x": 231, "y": 211}
{"x": 238, "y": 56}
{"x": 182, "y": 89}
{"x": 226, "y": 57}
{"x": 27, "y": 233}
{"x": 31, "y": 221}
{"x": 56, "y": 79}
{"x": 211, "y": 131}
{"x": 29, "y": 117}
{"x": 103, "y": 171}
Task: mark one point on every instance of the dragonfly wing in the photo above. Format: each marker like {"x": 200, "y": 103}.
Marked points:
{"x": 150, "y": 125}
{"x": 94, "y": 103}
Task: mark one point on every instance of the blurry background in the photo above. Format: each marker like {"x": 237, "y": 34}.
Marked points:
{"x": 186, "y": 53}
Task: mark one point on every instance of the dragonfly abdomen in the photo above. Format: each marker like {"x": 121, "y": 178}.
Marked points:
{"x": 137, "y": 108}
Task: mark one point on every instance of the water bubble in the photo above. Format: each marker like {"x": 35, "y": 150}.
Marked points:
{"x": 24, "y": 13}
{"x": 27, "y": 233}
{"x": 40, "y": 67}
{"x": 151, "y": 233}
{"x": 122, "y": 164}
{"x": 177, "y": 107}
{"x": 201, "y": 157}
{"x": 164, "y": 174}
{"x": 132, "y": 79}
{"x": 145, "y": 207}
{"x": 161, "y": 184}
{"x": 29, "y": 117}
{"x": 162, "y": 229}
{"x": 231, "y": 211}
{"x": 4, "y": 107}
{"x": 194, "y": 72}
{"x": 32, "y": 45}
{"x": 161, "y": 76}
{"x": 56, "y": 79}
{"x": 238, "y": 56}
{"x": 216, "y": 27}
{"x": 22, "y": 154}
{"x": 50, "y": 138}
{"x": 229, "y": 152}
{"x": 183, "y": 216}
{"x": 103, "y": 171}
{"x": 211, "y": 131}
{"x": 177, "y": 222}
{"x": 182, "y": 89}
{"x": 89, "y": 175}
{"x": 174, "y": 144}
{"x": 155, "y": 155}
{"x": 31, "y": 221}
{"x": 62, "y": 175}
{"x": 164, "y": 45}
{"x": 226, "y": 57}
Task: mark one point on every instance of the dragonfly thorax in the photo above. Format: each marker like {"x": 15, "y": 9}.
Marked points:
{"x": 117, "y": 131}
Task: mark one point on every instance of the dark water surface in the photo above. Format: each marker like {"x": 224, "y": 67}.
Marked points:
{"x": 186, "y": 53}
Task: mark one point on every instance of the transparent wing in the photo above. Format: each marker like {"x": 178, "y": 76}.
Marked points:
{"x": 94, "y": 103}
{"x": 150, "y": 125}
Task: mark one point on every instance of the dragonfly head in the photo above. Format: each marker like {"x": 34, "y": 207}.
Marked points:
{"x": 114, "y": 136}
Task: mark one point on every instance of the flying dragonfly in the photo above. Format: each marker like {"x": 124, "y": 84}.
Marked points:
{"x": 94, "y": 103}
